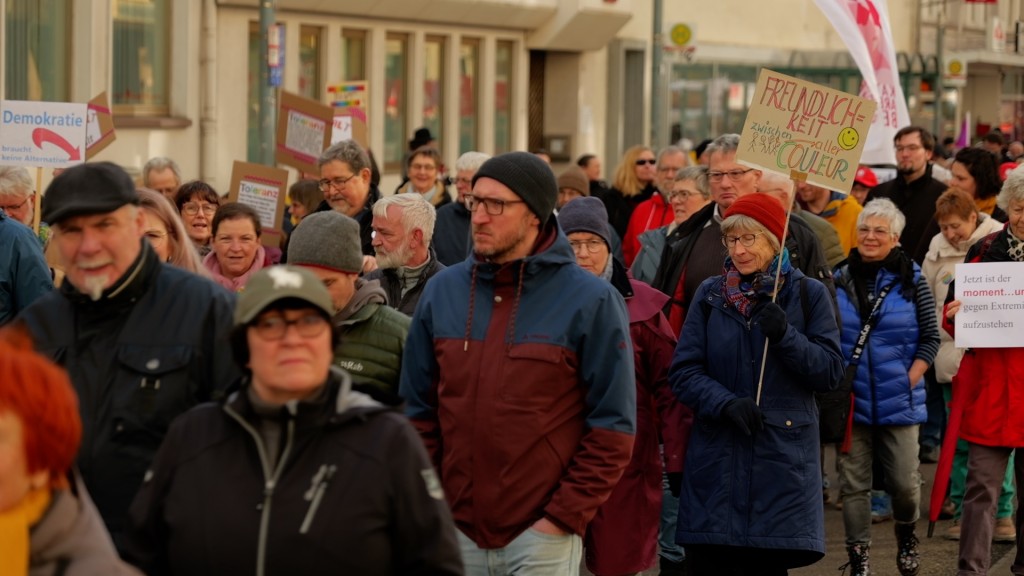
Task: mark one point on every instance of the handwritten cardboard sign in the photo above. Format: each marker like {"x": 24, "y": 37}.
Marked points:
{"x": 99, "y": 126}
{"x": 991, "y": 299}
{"x": 805, "y": 131}
{"x": 42, "y": 134}
{"x": 350, "y": 102}
{"x": 303, "y": 132}
{"x": 264, "y": 189}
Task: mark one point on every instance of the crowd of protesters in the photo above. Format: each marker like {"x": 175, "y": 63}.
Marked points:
{"x": 527, "y": 374}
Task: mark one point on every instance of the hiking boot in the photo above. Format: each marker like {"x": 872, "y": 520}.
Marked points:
{"x": 1005, "y": 530}
{"x": 953, "y": 532}
{"x": 907, "y": 561}
{"x": 858, "y": 564}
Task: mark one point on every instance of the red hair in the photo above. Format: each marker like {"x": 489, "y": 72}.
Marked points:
{"x": 39, "y": 393}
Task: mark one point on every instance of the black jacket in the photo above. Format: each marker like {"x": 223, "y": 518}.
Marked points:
{"x": 152, "y": 348}
{"x": 391, "y": 282}
{"x": 452, "y": 237}
{"x": 917, "y": 202}
{"x": 353, "y": 493}
{"x": 620, "y": 207}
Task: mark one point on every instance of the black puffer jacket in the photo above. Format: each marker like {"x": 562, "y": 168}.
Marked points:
{"x": 153, "y": 347}
{"x": 353, "y": 492}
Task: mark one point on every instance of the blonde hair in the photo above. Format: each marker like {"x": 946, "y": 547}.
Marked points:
{"x": 182, "y": 253}
{"x": 625, "y": 180}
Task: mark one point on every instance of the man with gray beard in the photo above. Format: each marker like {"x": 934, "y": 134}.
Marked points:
{"x": 142, "y": 341}
{"x": 403, "y": 226}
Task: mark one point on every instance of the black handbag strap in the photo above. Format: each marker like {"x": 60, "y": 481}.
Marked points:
{"x": 865, "y": 331}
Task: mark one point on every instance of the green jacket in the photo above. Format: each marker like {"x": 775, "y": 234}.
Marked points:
{"x": 372, "y": 338}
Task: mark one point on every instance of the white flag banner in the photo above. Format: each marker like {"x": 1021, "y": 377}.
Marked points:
{"x": 864, "y": 27}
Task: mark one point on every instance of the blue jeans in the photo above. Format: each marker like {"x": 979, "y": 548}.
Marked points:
{"x": 667, "y": 547}
{"x": 532, "y": 553}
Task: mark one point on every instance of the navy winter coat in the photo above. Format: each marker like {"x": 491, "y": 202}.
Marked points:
{"x": 762, "y": 491}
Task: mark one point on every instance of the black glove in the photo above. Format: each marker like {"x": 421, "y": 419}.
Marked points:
{"x": 773, "y": 322}
{"x": 744, "y": 413}
{"x": 675, "y": 483}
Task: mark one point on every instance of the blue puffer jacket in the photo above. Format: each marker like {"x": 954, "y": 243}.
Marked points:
{"x": 881, "y": 389}
{"x": 762, "y": 491}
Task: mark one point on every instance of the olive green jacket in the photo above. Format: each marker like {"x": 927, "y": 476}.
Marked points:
{"x": 372, "y": 338}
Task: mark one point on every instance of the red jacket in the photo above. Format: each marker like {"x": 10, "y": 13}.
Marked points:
{"x": 649, "y": 214}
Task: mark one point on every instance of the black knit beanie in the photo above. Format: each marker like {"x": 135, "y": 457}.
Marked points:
{"x": 528, "y": 176}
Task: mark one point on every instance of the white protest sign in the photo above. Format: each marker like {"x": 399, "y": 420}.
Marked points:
{"x": 991, "y": 314}
{"x": 342, "y": 129}
{"x": 42, "y": 134}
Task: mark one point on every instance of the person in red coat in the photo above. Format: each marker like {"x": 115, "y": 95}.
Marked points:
{"x": 622, "y": 537}
{"x": 989, "y": 389}
{"x": 656, "y": 211}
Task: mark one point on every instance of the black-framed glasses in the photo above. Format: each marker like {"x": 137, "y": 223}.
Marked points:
{"x": 649, "y": 161}
{"x": 734, "y": 175}
{"x": 590, "y": 246}
{"x": 746, "y": 239}
{"x": 274, "y": 327}
{"x": 191, "y": 208}
{"x": 336, "y": 183}
{"x": 10, "y": 207}
{"x": 493, "y": 206}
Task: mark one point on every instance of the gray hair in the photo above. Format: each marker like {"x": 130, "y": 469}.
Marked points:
{"x": 673, "y": 150}
{"x": 471, "y": 161}
{"x": 724, "y": 144}
{"x": 1012, "y": 191}
{"x": 885, "y": 209}
{"x": 774, "y": 179}
{"x": 417, "y": 212}
{"x": 744, "y": 222}
{"x": 15, "y": 181}
{"x": 348, "y": 152}
{"x": 160, "y": 163}
{"x": 698, "y": 175}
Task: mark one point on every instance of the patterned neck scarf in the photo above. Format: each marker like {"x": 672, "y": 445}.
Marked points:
{"x": 1015, "y": 249}
{"x": 742, "y": 292}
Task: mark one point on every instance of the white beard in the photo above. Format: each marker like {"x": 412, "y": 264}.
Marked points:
{"x": 94, "y": 286}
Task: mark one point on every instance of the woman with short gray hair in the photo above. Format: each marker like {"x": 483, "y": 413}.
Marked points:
{"x": 690, "y": 193}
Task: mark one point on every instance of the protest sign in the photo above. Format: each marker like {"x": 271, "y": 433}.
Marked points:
{"x": 349, "y": 100}
{"x": 264, "y": 189}
{"x": 805, "y": 131}
{"x": 303, "y": 132}
{"x": 42, "y": 134}
{"x": 991, "y": 299}
{"x": 99, "y": 126}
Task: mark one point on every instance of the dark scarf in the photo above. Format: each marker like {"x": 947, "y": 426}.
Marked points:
{"x": 864, "y": 275}
{"x": 742, "y": 291}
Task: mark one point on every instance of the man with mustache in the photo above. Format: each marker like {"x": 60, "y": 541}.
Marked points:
{"x": 142, "y": 341}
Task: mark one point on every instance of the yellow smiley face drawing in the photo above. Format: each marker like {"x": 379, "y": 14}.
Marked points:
{"x": 848, "y": 138}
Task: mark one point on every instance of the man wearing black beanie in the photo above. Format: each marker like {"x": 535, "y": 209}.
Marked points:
{"x": 518, "y": 374}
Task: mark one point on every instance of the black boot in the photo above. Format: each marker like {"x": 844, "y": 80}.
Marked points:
{"x": 670, "y": 568}
{"x": 906, "y": 549}
{"x": 858, "y": 564}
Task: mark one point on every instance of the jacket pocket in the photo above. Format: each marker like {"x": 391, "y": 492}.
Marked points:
{"x": 154, "y": 386}
{"x": 537, "y": 373}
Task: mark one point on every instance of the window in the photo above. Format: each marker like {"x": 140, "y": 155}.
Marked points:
{"x": 469, "y": 94}
{"x": 395, "y": 100}
{"x": 141, "y": 56}
{"x": 353, "y": 57}
{"x": 309, "y": 63}
{"x": 433, "y": 85}
{"x": 503, "y": 96}
{"x": 36, "y": 39}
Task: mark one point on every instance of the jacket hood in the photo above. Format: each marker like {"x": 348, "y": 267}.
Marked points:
{"x": 551, "y": 249}
{"x": 367, "y": 292}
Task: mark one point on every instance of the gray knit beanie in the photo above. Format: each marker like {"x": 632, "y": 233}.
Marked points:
{"x": 528, "y": 176}
{"x": 328, "y": 240}
{"x": 586, "y": 214}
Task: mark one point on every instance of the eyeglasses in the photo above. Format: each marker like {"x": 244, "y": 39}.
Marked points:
{"x": 275, "y": 327}
{"x": 685, "y": 194}
{"x": 493, "y": 206}
{"x": 422, "y": 167}
{"x": 734, "y": 175}
{"x": 866, "y": 231}
{"x": 746, "y": 239}
{"x": 192, "y": 209}
{"x": 648, "y": 161}
{"x": 10, "y": 207}
{"x": 336, "y": 183}
{"x": 591, "y": 246}
{"x": 466, "y": 181}
{"x": 908, "y": 148}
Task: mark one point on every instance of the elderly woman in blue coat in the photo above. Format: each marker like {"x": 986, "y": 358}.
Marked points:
{"x": 751, "y": 496}
{"x": 890, "y": 337}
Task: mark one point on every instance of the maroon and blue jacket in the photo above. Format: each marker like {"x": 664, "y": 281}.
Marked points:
{"x": 519, "y": 378}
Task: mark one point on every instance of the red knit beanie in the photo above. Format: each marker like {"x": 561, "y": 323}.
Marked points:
{"x": 767, "y": 210}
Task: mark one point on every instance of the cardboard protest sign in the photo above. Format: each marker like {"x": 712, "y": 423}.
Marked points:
{"x": 42, "y": 134}
{"x": 805, "y": 131}
{"x": 264, "y": 189}
{"x": 99, "y": 126}
{"x": 991, "y": 299}
{"x": 350, "y": 100}
{"x": 303, "y": 132}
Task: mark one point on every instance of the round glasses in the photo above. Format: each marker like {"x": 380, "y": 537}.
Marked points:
{"x": 747, "y": 240}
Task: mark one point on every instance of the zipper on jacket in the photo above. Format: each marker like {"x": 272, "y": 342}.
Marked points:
{"x": 270, "y": 482}
{"x": 316, "y": 493}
